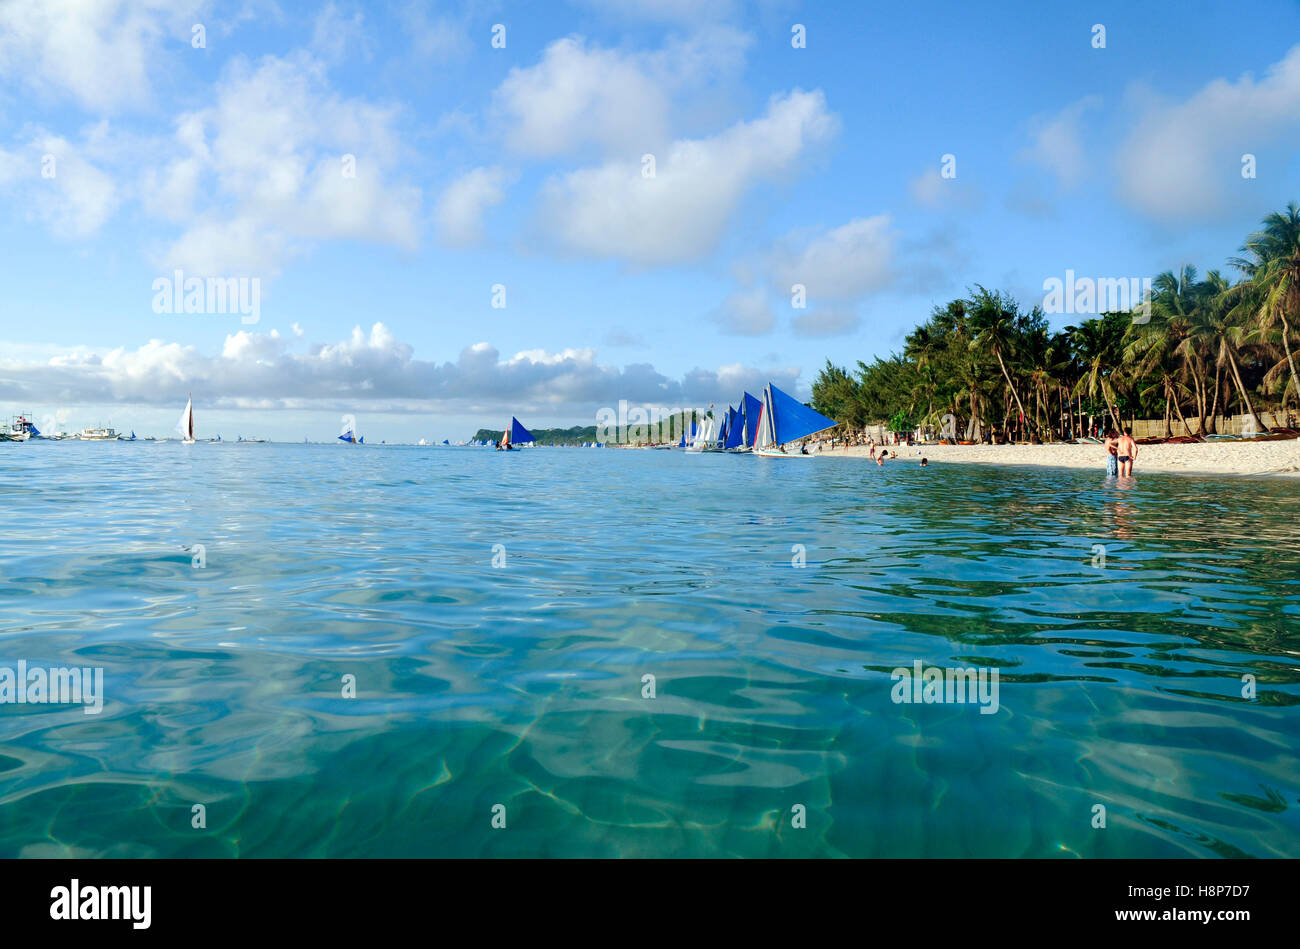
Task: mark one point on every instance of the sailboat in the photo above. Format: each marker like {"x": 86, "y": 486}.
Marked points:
{"x": 718, "y": 434}
{"x": 748, "y": 412}
{"x": 783, "y": 419}
{"x": 186, "y": 425}
{"x": 516, "y": 434}
{"x": 725, "y": 425}
{"x": 735, "y": 436}
{"x": 707, "y": 436}
{"x": 696, "y": 443}
{"x": 350, "y": 437}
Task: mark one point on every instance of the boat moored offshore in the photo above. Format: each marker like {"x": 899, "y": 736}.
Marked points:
{"x": 783, "y": 419}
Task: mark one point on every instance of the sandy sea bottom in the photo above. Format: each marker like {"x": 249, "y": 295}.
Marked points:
{"x": 500, "y": 616}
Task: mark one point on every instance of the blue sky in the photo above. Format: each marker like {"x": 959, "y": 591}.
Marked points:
{"x": 522, "y": 166}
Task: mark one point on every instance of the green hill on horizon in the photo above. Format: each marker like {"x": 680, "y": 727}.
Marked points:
{"x": 546, "y": 436}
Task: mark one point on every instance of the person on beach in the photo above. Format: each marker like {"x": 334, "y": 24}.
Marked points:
{"x": 1128, "y": 452}
{"x": 1112, "y": 451}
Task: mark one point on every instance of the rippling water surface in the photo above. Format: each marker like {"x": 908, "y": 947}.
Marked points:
{"x": 522, "y": 685}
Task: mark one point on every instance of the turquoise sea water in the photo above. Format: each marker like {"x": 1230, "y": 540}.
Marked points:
{"x": 522, "y": 684}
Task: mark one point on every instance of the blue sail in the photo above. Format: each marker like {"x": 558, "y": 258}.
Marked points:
{"x": 791, "y": 419}
{"x": 519, "y": 434}
{"x": 749, "y": 407}
{"x": 735, "y": 429}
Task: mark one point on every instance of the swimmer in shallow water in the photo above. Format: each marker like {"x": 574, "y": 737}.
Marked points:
{"x": 1127, "y": 453}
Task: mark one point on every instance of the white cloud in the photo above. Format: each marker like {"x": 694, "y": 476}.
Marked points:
{"x": 670, "y": 11}
{"x": 826, "y": 322}
{"x": 372, "y": 370}
{"x": 98, "y": 52}
{"x": 746, "y": 313}
{"x": 461, "y": 208}
{"x": 241, "y": 246}
{"x": 931, "y": 190}
{"x": 1182, "y": 158}
{"x": 75, "y": 200}
{"x": 580, "y": 95}
{"x": 269, "y": 157}
{"x": 837, "y": 269}
{"x": 679, "y": 215}
{"x": 336, "y": 34}
{"x": 842, "y": 264}
{"x": 1058, "y": 142}
{"x": 435, "y": 36}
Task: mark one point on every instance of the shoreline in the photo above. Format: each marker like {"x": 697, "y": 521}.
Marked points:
{"x": 1267, "y": 458}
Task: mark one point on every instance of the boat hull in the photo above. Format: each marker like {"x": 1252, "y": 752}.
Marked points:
{"x": 764, "y": 453}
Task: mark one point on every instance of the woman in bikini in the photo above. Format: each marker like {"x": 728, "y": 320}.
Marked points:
{"x": 1112, "y": 453}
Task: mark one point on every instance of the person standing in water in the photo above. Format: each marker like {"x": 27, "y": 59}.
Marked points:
{"x": 1112, "y": 451}
{"x": 1128, "y": 452}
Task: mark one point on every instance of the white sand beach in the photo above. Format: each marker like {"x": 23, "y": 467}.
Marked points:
{"x": 1281, "y": 458}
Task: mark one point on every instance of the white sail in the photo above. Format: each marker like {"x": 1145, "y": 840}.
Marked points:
{"x": 703, "y": 435}
{"x": 186, "y": 424}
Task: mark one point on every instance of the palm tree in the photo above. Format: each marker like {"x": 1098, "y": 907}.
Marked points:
{"x": 1272, "y": 264}
{"x": 1097, "y": 345}
{"x": 1225, "y": 312}
{"x": 953, "y": 324}
{"x": 993, "y": 320}
{"x": 1160, "y": 347}
{"x": 1151, "y": 352}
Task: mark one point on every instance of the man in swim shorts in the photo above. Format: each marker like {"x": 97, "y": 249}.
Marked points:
{"x": 1128, "y": 452}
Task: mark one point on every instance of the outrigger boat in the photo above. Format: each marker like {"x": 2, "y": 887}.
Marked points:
{"x": 748, "y": 417}
{"x": 733, "y": 437}
{"x": 720, "y": 428}
{"x": 707, "y": 437}
{"x": 516, "y": 434}
{"x": 783, "y": 419}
